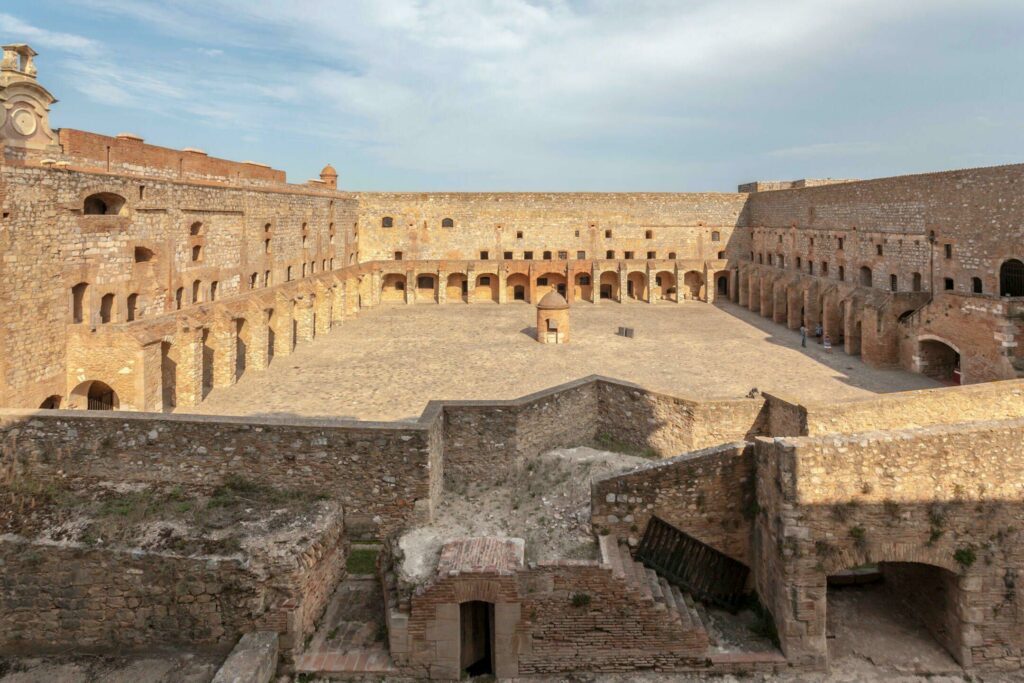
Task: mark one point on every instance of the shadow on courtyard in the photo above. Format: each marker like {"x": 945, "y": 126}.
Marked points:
{"x": 877, "y": 380}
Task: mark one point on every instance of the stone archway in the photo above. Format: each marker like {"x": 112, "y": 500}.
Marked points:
{"x": 517, "y": 287}
{"x": 94, "y": 395}
{"x": 939, "y": 359}
{"x": 392, "y": 288}
{"x": 457, "y": 288}
{"x": 636, "y": 286}
{"x": 665, "y": 286}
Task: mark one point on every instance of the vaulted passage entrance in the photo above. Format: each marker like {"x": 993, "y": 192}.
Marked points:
{"x": 939, "y": 360}
{"x": 897, "y": 614}
{"x": 476, "y": 640}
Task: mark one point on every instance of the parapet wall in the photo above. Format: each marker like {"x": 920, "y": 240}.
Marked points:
{"x": 381, "y": 473}
{"x": 708, "y": 494}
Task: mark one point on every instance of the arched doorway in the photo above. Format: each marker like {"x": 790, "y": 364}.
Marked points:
{"x": 939, "y": 359}
{"x": 51, "y": 403}
{"x": 871, "y": 606}
{"x": 392, "y": 289}
{"x": 517, "y": 287}
{"x": 636, "y": 286}
{"x": 94, "y": 395}
{"x": 550, "y": 282}
{"x": 457, "y": 288}
{"x": 486, "y": 287}
{"x": 426, "y": 288}
{"x": 722, "y": 284}
{"x": 1011, "y": 278}
{"x": 665, "y": 286}
{"x": 693, "y": 282}
{"x": 609, "y": 286}
{"x": 476, "y": 638}
{"x": 583, "y": 287}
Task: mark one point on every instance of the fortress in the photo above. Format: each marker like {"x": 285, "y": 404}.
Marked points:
{"x": 146, "y": 293}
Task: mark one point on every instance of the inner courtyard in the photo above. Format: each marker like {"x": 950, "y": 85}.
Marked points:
{"x": 388, "y": 362}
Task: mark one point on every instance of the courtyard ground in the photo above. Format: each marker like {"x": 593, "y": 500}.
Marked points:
{"x": 388, "y": 362}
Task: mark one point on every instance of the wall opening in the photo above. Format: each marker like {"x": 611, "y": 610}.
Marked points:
{"x": 79, "y": 301}
{"x": 939, "y": 360}
{"x": 107, "y": 308}
{"x": 865, "y": 276}
{"x": 722, "y": 283}
{"x": 95, "y": 395}
{"x": 51, "y": 403}
{"x": 1011, "y": 278}
{"x": 168, "y": 376}
{"x": 895, "y": 614}
{"x": 133, "y": 306}
{"x": 103, "y": 204}
{"x": 476, "y": 638}
{"x": 144, "y": 255}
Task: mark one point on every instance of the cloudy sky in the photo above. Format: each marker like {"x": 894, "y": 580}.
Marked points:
{"x": 545, "y": 94}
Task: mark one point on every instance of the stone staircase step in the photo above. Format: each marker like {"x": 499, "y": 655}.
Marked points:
{"x": 684, "y": 611}
{"x": 691, "y": 607}
{"x": 609, "y": 546}
{"x": 674, "y": 612}
{"x": 652, "y": 580}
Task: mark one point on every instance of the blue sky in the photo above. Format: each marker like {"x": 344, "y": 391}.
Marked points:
{"x": 670, "y": 95}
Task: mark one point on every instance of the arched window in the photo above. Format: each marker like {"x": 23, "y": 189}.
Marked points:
{"x": 842, "y": 273}
{"x": 253, "y": 279}
{"x": 266, "y": 227}
{"x": 196, "y": 287}
{"x": 266, "y": 246}
{"x": 213, "y": 291}
{"x": 144, "y": 255}
{"x": 179, "y": 294}
{"x": 387, "y": 222}
{"x": 266, "y": 278}
{"x": 671, "y": 256}
{"x": 133, "y": 304}
{"x": 196, "y": 229}
{"x": 51, "y": 403}
{"x": 107, "y": 308}
{"x": 865, "y": 276}
{"x": 447, "y": 223}
{"x": 103, "y": 204}
{"x": 716, "y": 236}
{"x": 78, "y": 301}
{"x": 1011, "y": 278}
{"x": 197, "y": 252}
{"x": 976, "y": 285}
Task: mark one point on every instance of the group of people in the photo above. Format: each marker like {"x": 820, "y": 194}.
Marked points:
{"x": 826, "y": 341}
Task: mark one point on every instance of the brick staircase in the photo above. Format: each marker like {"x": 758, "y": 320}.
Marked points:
{"x": 680, "y": 611}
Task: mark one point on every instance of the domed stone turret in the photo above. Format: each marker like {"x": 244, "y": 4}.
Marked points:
{"x": 553, "y": 319}
{"x": 329, "y": 176}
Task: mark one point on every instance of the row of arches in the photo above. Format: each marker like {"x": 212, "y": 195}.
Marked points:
{"x": 427, "y": 287}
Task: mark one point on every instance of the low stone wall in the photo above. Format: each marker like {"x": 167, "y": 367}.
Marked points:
{"x": 381, "y": 472}
{"x": 709, "y": 494}
{"x": 909, "y": 409}
{"x": 671, "y": 425}
{"x": 59, "y": 597}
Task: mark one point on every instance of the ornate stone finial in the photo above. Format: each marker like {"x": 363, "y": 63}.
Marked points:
{"x": 24, "y": 104}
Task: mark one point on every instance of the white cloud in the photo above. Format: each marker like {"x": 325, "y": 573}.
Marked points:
{"x": 17, "y": 30}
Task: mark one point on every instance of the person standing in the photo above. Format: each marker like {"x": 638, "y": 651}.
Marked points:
{"x": 828, "y": 343}
{"x": 803, "y": 336}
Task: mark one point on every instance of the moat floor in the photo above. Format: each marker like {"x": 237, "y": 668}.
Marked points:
{"x": 386, "y": 363}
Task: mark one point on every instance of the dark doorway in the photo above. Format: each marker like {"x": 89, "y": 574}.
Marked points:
{"x": 606, "y": 291}
{"x": 476, "y": 637}
{"x": 1011, "y": 278}
{"x": 561, "y": 289}
{"x": 101, "y": 397}
{"x": 519, "y": 293}
{"x": 723, "y": 285}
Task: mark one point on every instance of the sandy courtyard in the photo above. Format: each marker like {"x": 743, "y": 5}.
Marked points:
{"x": 389, "y": 361}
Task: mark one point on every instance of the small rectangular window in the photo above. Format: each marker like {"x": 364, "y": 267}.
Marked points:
{"x": 581, "y": 255}
{"x": 584, "y": 279}
{"x": 878, "y": 249}
{"x": 628, "y": 255}
{"x": 563, "y": 255}
{"x": 484, "y": 255}
{"x": 810, "y": 267}
{"x": 841, "y": 244}
{"x": 528, "y": 255}
{"x": 542, "y": 281}
{"x": 607, "y": 233}
{"x": 508, "y": 256}
{"x": 649, "y": 234}
{"x": 519, "y": 234}
{"x": 893, "y": 282}
{"x": 949, "y": 283}
{"x": 949, "y": 251}
{"x": 398, "y": 256}
{"x": 609, "y": 254}
{"x": 652, "y": 255}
